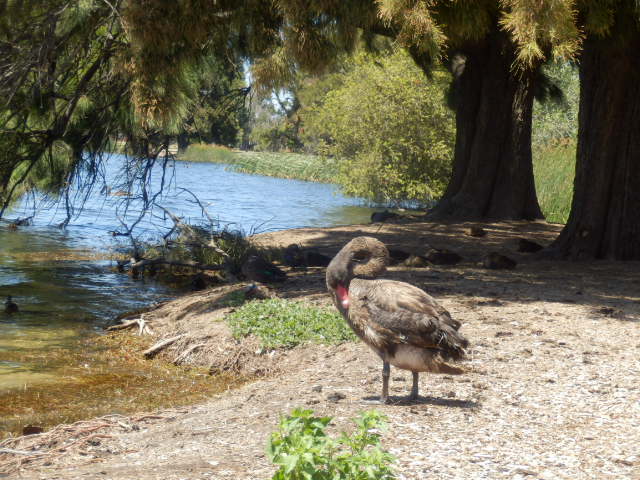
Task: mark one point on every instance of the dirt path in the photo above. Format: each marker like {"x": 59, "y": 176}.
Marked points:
{"x": 552, "y": 390}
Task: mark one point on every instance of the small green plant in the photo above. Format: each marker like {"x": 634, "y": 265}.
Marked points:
{"x": 303, "y": 451}
{"x": 285, "y": 323}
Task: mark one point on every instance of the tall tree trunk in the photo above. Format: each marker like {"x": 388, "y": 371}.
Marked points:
{"x": 492, "y": 167}
{"x": 605, "y": 213}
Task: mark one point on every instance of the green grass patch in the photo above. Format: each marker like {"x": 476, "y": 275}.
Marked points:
{"x": 285, "y": 323}
{"x": 287, "y": 165}
{"x": 297, "y": 166}
{"x": 554, "y": 170}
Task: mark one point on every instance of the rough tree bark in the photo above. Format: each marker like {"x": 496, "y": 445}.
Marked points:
{"x": 605, "y": 213}
{"x": 492, "y": 173}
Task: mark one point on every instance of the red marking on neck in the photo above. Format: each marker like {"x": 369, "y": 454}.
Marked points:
{"x": 343, "y": 295}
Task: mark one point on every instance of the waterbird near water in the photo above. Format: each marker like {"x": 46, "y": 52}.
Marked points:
{"x": 257, "y": 269}
{"x": 10, "y": 306}
{"x": 377, "y": 217}
{"x": 404, "y": 325}
{"x": 296, "y": 256}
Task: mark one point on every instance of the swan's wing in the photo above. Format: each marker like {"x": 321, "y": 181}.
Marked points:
{"x": 392, "y": 312}
{"x": 392, "y": 295}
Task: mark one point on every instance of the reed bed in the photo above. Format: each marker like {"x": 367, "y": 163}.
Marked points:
{"x": 295, "y": 166}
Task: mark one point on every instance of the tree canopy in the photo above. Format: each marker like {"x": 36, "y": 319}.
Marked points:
{"x": 75, "y": 78}
{"x": 77, "y": 71}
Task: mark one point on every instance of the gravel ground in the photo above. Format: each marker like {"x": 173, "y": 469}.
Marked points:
{"x": 551, "y": 392}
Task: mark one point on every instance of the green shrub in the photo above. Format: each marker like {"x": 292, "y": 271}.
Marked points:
{"x": 275, "y": 135}
{"x": 390, "y": 128}
{"x": 303, "y": 450}
{"x": 555, "y": 121}
{"x": 285, "y": 323}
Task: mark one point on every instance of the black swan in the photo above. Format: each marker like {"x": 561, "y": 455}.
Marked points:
{"x": 404, "y": 325}
{"x": 257, "y": 269}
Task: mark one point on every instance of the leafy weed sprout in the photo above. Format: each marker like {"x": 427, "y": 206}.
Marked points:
{"x": 303, "y": 451}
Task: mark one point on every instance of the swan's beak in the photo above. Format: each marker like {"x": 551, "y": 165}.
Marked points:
{"x": 343, "y": 296}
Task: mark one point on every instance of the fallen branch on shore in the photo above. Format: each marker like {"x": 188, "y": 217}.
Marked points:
{"x": 17, "y": 452}
{"x": 155, "y": 349}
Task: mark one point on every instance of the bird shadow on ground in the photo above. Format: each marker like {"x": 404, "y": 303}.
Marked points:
{"x": 437, "y": 401}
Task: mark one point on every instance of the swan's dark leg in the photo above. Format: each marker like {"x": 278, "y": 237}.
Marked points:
{"x": 386, "y": 373}
{"x": 414, "y": 388}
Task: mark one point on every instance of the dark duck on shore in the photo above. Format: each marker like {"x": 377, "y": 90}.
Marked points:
{"x": 296, "y": 256}
{"x": 257, "y": 269}
{"x": 10, "y": 306}
{"x": 401, "y": 323}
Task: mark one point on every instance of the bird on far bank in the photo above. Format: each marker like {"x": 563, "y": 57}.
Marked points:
{"x": 257, "y": 269}
{"x": 10, "y": 306}
{"x": 296, "y": 256}
{"x": 379, "y": 217}
{"x": 401, "y": 323}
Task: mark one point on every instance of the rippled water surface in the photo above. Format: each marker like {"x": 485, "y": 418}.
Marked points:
{"x": 63, "y": 284}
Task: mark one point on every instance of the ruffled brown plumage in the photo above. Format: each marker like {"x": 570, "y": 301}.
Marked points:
{"x": 403, "y": 324}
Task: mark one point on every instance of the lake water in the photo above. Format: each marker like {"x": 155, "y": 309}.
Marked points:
{"x": 65, "y": 287}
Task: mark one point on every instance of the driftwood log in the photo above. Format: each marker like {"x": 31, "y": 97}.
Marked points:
{"x": 156, "y": 348}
